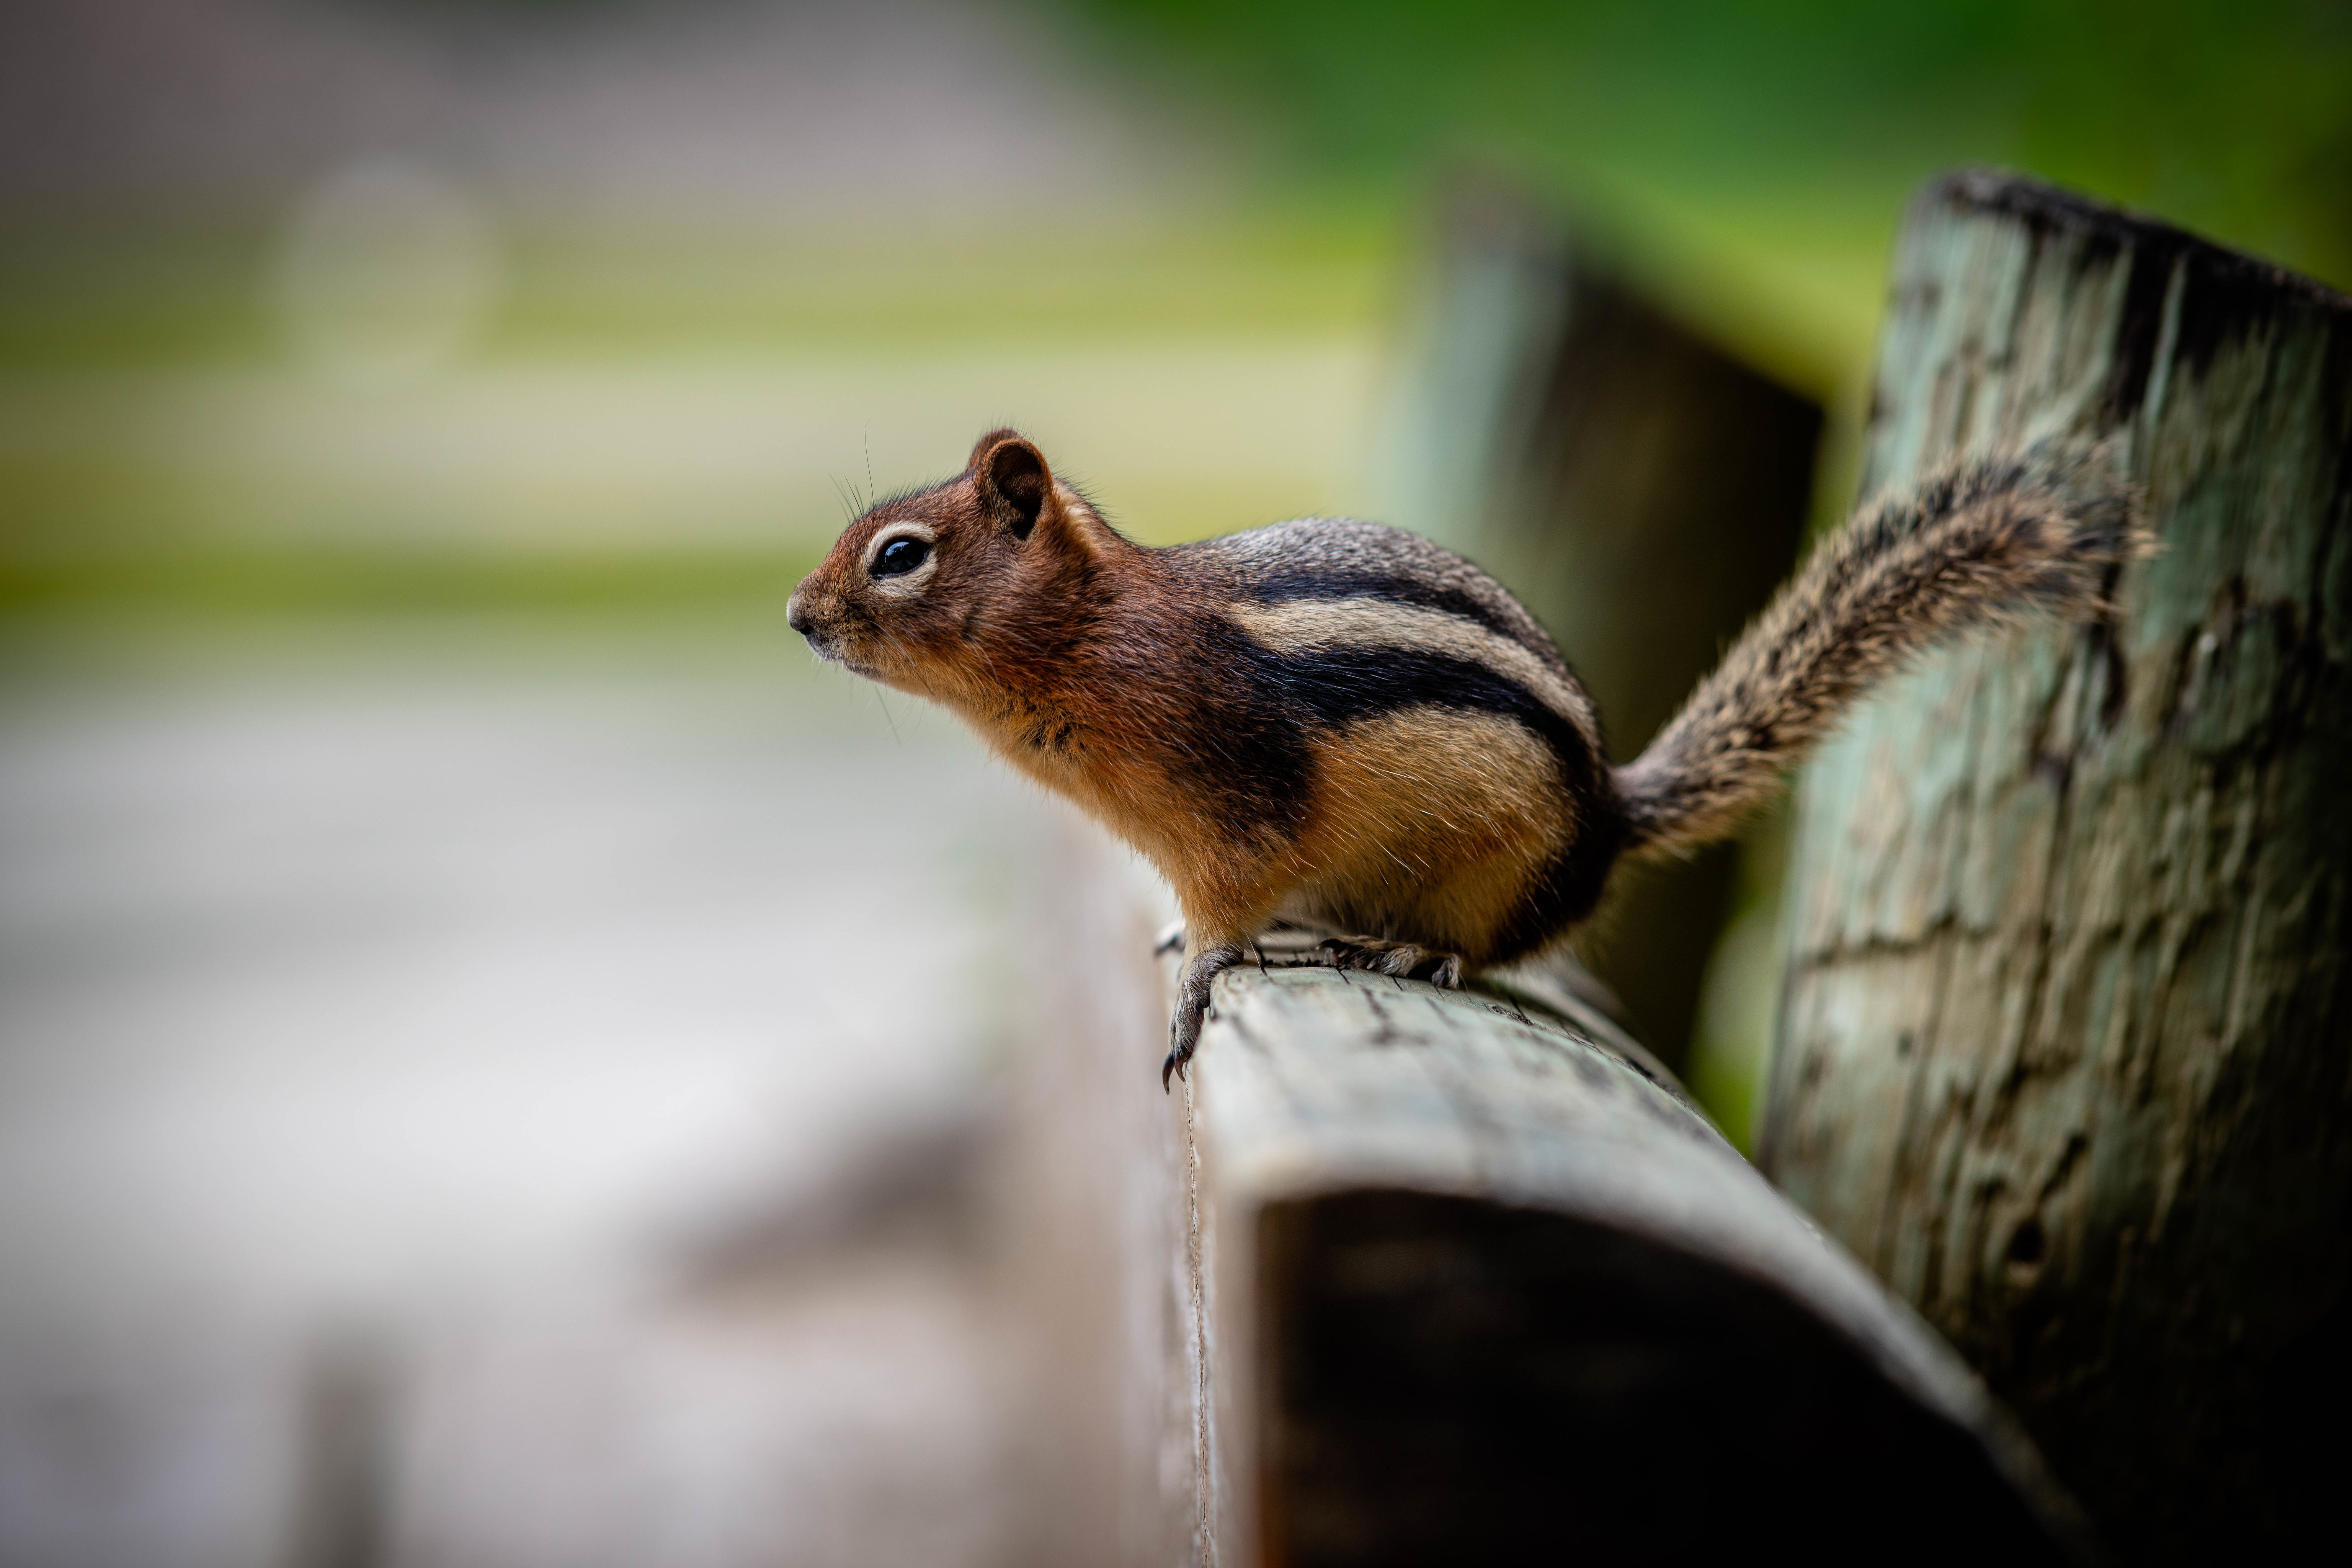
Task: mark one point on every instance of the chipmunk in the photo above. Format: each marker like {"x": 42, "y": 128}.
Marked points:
{"x": 1341, "y": 724}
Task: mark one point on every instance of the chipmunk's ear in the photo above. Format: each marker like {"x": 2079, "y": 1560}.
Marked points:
{"x": 1014, "y": 482}
{"x": 981, "y": 447}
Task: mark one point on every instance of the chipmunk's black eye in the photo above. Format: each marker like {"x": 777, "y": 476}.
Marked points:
{"x": 901, "y": 556}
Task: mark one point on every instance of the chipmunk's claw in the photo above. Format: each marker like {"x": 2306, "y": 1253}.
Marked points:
{"x": 1170, "y": 940}
{"x": 1396, "y": 960}
{"x": 1193, "y": 1007}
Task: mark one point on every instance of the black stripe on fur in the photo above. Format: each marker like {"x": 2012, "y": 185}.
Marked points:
{"x": 1343, "y": 685}
{"x": 1259, "y": 770}
{"x": 1291, "y": 583}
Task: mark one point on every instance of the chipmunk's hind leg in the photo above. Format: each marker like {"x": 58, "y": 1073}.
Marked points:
{"x": 1397, "y": 960}
{"x": 1192, "y": 1004}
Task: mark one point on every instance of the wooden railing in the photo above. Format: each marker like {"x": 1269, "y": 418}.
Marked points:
{"x": 1474, "y": 1281}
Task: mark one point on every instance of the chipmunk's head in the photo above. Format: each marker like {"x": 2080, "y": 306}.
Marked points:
{"x": 937, "y": 590}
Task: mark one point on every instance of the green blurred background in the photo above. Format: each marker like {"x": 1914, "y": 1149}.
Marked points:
{"x": 639, "y": 366}
{"x": 337, "y": 308}
{"x": 1764, "y": 148}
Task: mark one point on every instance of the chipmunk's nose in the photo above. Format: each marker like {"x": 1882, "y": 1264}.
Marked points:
{"x": 796, "y": 614}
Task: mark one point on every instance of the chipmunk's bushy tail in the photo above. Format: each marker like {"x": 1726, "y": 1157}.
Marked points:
{"x": 1977, "y": 542}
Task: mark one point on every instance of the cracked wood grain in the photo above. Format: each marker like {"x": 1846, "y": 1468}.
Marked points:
{"x": 1403, "y": 1189}
{"x": 2067, "y": 1044}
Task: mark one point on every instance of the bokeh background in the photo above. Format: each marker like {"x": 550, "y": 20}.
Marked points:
{"x": 496, "y": 1050}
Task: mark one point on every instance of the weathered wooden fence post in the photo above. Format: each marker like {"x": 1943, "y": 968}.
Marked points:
{"x": 2067, "y": 1041}
{"x": 1639, "y": 489}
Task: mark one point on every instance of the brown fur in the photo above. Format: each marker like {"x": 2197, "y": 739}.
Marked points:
{"x": 1335, "y": 723}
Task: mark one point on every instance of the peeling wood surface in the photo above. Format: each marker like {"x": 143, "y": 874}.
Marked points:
{"x": 2066, "y": 1045}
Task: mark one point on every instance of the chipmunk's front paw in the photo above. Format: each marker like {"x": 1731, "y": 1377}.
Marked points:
{"x": 1170, "y": 940}
{"x": 1193, "y": 1004}
{"x": 1397, "y": 960}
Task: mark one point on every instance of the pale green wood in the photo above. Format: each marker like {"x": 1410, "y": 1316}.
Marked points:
{"x": 2066, "y": 1043}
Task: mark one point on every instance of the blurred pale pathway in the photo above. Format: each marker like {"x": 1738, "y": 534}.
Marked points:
{"x": 388, "y": 1026}
{"x": 523, "y": 1098}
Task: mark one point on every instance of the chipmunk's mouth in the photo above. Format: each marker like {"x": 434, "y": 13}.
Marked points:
{"x": 828, "y": 652}
{"x": 823, "y": 640}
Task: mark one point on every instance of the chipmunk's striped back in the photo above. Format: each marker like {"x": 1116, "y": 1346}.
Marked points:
{"x": 1458, "y": 794}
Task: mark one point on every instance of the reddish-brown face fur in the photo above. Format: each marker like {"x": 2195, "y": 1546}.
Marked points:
{"x": 1013, "y": 560}
{"x": 1005, "y": 622}
{"x": 1062, "y": 644}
